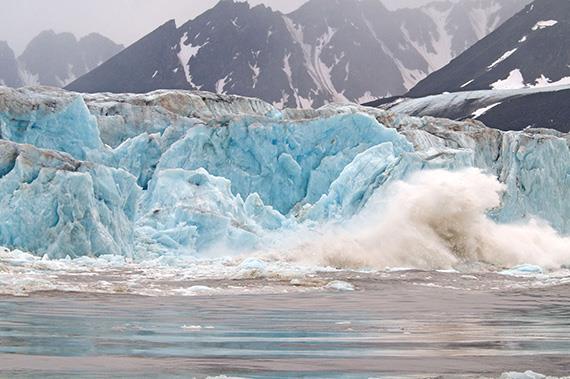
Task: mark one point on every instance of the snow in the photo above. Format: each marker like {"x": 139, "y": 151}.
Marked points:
{"x": 93, "y": 175}
{"x": 186, "y": 53}
{"x": 544, "y": 24}
{"x": 515, "y": 80}
{"x": 256, "y": 71}
{"x": 442, "y": 47}
{"x": 504, "y": 57}
{"x": 467, "y": 83}
{"x": 544, "y": 82}
{"x": 482, "y": 21}
{"x": 523, "y": 39}
{"x": 28, "y": 78}
{"x": 481, "y": 111}
{"x": 366, "y": 98}
{"x": 221, "y": 84}
{"x": 316, "y": 68}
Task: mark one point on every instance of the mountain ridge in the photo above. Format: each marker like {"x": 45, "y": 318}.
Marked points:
{"x": 54, "y": 59}
{"x": 530, "y": 49}
{"x": 314, "y": 55}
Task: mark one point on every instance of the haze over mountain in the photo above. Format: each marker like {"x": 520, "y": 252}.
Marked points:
{"x": 327, "y": 50}
{"x": 54, "y": 59}
{"x": 9, "y": 75}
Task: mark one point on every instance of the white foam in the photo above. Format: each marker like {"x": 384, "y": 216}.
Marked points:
{"x": 436, "y": 220}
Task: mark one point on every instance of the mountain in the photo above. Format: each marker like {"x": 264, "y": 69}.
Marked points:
{"x": 516, "y": 109}
{"x": 327, "y": 50}
{"x": 9, "y": 75}
{"x": 529, "y": 50}
{"x": 56, "y": 59}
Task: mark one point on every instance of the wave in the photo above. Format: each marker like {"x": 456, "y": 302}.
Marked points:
{"x": 437, "y": 219}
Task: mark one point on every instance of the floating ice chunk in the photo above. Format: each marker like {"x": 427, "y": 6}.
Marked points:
{"x": 520, "y": 375}
{"x": 192, "y": 327}
{"x": 524, "y": 270}
{"x": 339, "y": 285}
{"x": 201, "y": 290}
{"x": 253, "y": 264}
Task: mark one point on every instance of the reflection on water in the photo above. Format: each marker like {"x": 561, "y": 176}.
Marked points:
{"x": 388, "y": 327}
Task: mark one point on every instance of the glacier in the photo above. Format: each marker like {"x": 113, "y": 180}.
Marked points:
{"x": 191, "y": 173}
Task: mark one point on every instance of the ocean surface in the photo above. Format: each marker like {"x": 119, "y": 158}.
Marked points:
{"x": 332, "y": 324}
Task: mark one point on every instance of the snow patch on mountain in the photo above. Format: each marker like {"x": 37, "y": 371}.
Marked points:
{"x": 481, "y": 111}
{"x": 502, "y": 58}
{"x": 515, "y": 80}
{"x": 186, "y": 53}
{"x": 544, "y": 24}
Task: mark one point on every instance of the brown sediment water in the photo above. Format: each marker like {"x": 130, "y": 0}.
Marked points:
{"x": 400, "y": 325}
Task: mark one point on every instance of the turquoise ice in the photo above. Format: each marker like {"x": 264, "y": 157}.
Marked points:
{"x": 189, "y": 172}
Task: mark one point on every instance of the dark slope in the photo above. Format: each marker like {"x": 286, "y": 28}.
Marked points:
{"x": 535, "y": 42}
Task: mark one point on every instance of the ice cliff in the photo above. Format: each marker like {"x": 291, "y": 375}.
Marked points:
{"x": 187, "y": 172}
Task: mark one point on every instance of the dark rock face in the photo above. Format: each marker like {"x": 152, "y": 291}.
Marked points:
{"x": 541, "y": 110}
{"x": 57, "y": 59}
{"x": 9, "y": 75}
{"x": 327, "y": 50}
{"x": 530, "y": 49}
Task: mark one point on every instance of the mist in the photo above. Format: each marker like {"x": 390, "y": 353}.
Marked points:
{"x": 435, "y": 220}
{"x": 22, "y": 20}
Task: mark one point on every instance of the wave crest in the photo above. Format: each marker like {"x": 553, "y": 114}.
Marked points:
{"x": 437, "y": 219}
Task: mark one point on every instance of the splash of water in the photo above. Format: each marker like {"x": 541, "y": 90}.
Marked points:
{"x": 435, "y": 220}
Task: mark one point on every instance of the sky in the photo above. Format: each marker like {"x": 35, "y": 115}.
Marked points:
{"x": 124, "y": 21}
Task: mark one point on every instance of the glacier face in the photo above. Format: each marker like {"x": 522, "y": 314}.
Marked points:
{"x": 53, "y": 204}
{"x": 190, "y": 172}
